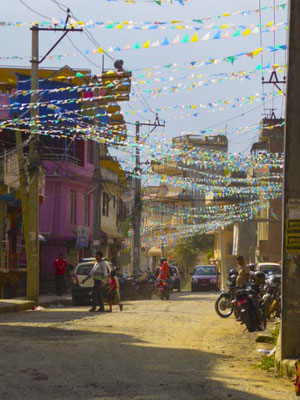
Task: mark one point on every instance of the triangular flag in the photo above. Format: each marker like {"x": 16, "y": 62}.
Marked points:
{"x": 185, "y": 38}
{"x": 110, "y": 50}
{"x": 194, "y": 38}
{"x": 127, "y": 47}
{"x": 136, "y": 46}
{"x": 269, "y": 24}
{"x": 226, "y": 35}
{"x": 218, "y": 34}
{"x": 231, "y": 59}
{"x": 165, "y": 42}
{"x": 247, "y": 32}
{"x": 257, "y": 51}
{"x": 258, "y": 67}
{"x": 256, "y": 30}
{"x": 155, "y": 44}
{"x": 249, "y": 55}
{"x": 206, "y": 36}
{"x": 100, "y": 50}
{"x": 237, "y": 33}
{"x": 176, "y": 40}
{"x": 147, "y": 44}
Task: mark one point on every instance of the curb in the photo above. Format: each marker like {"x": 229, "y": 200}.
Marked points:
{"x": 7, "y": 306}
{"x": 48, "y": 303}
{"x": 285, "y": 368}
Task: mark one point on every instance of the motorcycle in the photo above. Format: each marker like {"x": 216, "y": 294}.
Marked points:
{"x": 162, "y": 289}
{"x": 145, "y": 288}
{"x": 271, "y": 300}
{"x": 249, "y": 310}
{"x": 224, "y": 305}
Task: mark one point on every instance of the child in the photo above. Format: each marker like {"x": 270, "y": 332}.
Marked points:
{"x": 113, "y": 292}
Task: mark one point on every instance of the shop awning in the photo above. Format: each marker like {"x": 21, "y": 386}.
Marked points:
{"x": 154, "y": 251}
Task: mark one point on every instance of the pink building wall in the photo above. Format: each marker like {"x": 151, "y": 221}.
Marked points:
{"x": 55, "y": 225}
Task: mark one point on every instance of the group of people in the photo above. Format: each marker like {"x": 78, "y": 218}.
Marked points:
{"x": 105, "y": 282}
{"x": 104, "y": 279}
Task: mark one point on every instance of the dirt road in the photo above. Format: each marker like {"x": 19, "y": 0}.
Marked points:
{"x": 152, "y": 350}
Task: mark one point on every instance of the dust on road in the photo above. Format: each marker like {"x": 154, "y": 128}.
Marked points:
{"x": 156, "y": 349}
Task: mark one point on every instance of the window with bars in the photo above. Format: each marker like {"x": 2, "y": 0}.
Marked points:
{"x": 86, "y": 210}
{"x": 105, "y": 204}
{"x": 90, "y": 151}
{"x": 73, "y": 206}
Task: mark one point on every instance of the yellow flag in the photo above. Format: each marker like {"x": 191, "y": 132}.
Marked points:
{"x": 257, "y": 51}
{"x": 194, "y": 38}
{"x": 247, "y": 32}
{"x": 100, "y": 50}
{"x": 269, "y": 24}
{"x": 147, "y": 44}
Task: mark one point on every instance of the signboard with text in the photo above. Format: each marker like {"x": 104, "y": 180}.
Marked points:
{"x": 82, "y": 239}
{"x": 292, "y": 242}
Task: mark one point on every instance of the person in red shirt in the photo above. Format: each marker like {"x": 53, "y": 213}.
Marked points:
{"x": 113, "y": 291}
{"x": 60, "y": 266}
{"x": 164, "y": 271}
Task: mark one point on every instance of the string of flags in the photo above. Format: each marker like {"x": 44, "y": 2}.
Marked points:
{"x": 148, "y": 25}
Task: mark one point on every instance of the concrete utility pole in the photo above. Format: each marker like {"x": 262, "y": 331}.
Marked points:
{"x": 97, "y": 199}
{"x": 33, "y": 261}
{"x": 32, "y": 208}
{"x": 290, "y": 336}
{"x": 137, "y": 216}
{"x": 137, "y": 211}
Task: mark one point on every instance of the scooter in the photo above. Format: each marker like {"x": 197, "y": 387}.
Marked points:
{"x": 163, "y": 290}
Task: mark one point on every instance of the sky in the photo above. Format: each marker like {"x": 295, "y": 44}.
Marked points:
{"x": 17, "y": 41}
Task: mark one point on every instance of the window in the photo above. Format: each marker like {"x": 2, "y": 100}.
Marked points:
{"x": 229, "y": 248}
{"x": 73, "y": 206}
{"x": 90, "y": 151}
{"x": 105, "y": 204}
{"x": 86, "y": 210}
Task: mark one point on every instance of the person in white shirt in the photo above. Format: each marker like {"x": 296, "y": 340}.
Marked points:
{"x": 99, "y": 273}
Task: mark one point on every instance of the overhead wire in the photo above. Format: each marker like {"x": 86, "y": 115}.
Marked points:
{"x": 34, "y": 11}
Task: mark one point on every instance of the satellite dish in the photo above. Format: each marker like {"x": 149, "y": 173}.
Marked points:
{"x": 119, "y": 65}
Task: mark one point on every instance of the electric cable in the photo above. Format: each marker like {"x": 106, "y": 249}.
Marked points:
{"x": 34, "y": 11}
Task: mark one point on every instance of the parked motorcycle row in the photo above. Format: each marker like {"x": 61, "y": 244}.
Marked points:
{"x": 254, "y": 304}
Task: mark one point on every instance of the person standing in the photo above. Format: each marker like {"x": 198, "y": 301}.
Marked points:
{"x": 60, "y": 266}
{"x": 99, "y": 273}
{"x": 243, "y": 272}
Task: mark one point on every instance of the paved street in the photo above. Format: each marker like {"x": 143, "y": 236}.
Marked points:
{"x": 152, "y": 350}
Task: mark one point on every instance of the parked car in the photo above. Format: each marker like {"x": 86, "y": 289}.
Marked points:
{"x": 175, "y": 275}
{"x": 205, "y": 277}
{"x": 82, "y": 292}
{"x": 267, "y": 268}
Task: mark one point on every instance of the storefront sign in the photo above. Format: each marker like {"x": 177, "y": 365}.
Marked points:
{"x": 293, "y": 236}
{"x": 82, "y": 236}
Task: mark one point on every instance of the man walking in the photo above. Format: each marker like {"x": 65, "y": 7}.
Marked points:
{"x": 99, "y": 273}
{"x": 60, "y": 266}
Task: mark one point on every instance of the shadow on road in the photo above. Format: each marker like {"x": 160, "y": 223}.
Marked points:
{"x": 67, "y": 361}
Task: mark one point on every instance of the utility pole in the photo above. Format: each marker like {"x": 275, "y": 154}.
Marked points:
{"x": 290, "y": 326}
{"x": 32, "y": 207}
{"x": 33, "y": 253}
{"x": 97, "y": 199}
{"x": 137, "y": 211}
{"x": 97, "y": 186}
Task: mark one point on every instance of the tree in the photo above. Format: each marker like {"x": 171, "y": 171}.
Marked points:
{"x": 187, "y": 251}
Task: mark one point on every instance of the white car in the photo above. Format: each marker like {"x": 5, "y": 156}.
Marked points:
{"x": 266, "y": 268}
{"x": 82, "y": 291}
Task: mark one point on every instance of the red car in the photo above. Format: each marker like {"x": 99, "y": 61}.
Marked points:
{"x": 205, "y": 277}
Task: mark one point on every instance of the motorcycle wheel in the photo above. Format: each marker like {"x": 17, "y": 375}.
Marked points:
{"x": 224, "y": 306}
{"x": 248, "y": 321}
